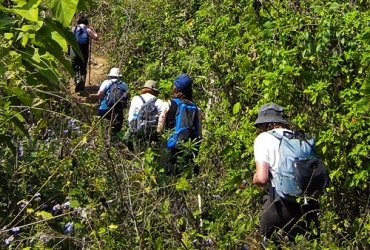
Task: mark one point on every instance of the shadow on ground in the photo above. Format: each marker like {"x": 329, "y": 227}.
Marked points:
{"x": 89, "y": 95}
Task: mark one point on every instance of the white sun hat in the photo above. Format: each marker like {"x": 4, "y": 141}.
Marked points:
{"x": 114, "y": 72}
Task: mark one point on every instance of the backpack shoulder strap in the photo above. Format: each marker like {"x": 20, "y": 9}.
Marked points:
{"x": 177, "y": 101}
{"x": 153, "y": 99}
{"x": 142, "y": 99}
{"x": 110, "y": 85}
{"x": 275, "y": 134}
{"x": 75, "y": 29}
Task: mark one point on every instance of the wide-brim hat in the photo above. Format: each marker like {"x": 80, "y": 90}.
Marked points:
{"x": 151, "y": 84}
{"x": 270, "y": 113}
{"x": 183, "y": 82}
{"x": 114, "y": 72}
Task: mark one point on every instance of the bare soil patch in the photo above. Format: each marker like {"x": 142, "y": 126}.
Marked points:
{"x": 96, "y": 73}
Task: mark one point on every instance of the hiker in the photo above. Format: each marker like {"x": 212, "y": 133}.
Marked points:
{"x": 278, "y": 214}
{"x": 182, "y": 94}
{"x": 143, "y": 122}
{"x": 113, "y": 110}
{"x": 82, "y": 32}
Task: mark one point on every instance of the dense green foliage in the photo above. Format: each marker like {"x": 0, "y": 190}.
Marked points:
{"x": 57, "y": 166}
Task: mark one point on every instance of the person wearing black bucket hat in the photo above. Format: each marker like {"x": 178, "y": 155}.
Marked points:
{"x": 270, "y": 113}
{"x": 277, "y": 214}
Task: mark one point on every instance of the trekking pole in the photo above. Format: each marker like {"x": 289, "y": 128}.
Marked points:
{"x": 90, "y": 59}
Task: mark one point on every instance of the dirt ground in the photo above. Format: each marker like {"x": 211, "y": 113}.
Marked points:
{"x": 96, "y": 73}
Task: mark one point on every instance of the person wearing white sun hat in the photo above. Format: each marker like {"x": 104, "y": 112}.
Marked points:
{"x": 115, "y": 113}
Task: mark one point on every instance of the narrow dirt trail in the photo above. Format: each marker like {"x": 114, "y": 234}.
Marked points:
{"x": 96, "y": 73}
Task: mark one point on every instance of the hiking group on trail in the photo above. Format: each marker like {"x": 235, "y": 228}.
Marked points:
{"x": 287, "y": 164}
{"x": 149, "y": 117}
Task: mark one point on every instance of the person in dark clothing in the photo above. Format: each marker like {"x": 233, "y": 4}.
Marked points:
{"x": 279, "y": 216}
{"x": 182, "y": 89}
{"x": 82, "y": 32}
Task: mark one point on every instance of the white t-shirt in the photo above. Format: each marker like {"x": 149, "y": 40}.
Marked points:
{"x": 136, "y": 103}
{"x": 266, "y": 149}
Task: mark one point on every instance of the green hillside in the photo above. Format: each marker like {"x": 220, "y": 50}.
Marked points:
{"x": 64, "y": 185}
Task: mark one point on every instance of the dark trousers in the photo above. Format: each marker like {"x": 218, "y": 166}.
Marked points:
{"x": 115, "y": 117}
{"x": 175, "y": 166}
{"x": 138, "y": 143}
{"x": 291, "y": 217}
{"x": 79, "y": 66}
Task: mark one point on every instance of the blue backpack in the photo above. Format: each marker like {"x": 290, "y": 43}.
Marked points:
{"x": 300, "y": 171}
{"x": 81, "y": 35}
{"x": 186, "y": 123}
{"x": 116, "y": 95}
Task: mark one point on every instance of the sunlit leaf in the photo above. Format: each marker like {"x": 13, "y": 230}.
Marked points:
{"x": 63, "y": 10}
{"x": 182, "y": 184}
{"x": 44, "y": 215}
{"x": 28, "y": 10}
{"x": 236, "y": 108}
{"x": 74, "y": 203}
{"x": 113, "y": 226}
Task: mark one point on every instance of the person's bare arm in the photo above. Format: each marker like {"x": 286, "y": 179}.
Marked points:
{"x": 92, "y": 33}
{"x": 162, "y": 116}
{"x": 100, "y": 93}
{"x": 261, "y": 176}
{"x": 161, "y": 121}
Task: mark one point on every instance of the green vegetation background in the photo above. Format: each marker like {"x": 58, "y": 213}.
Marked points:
{"x": 310, "y": 56}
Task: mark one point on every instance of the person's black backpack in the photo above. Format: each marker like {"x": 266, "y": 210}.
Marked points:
{"x": 115, "y": 95}
{"x": 145, "y": 124}
{"x": 186, "y": 123}
{"x": 300, "y": 172}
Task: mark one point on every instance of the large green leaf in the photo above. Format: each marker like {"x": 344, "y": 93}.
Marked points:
{"x": 64, "y": 33}
{"x": 44, "y": 39}
{"x": 45, "y": 65}
{"x": 28, "y": 9}
{"x": 22, "y": 95}
{"x": 63, "y": 10}
{"x": 60, "y": 34}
